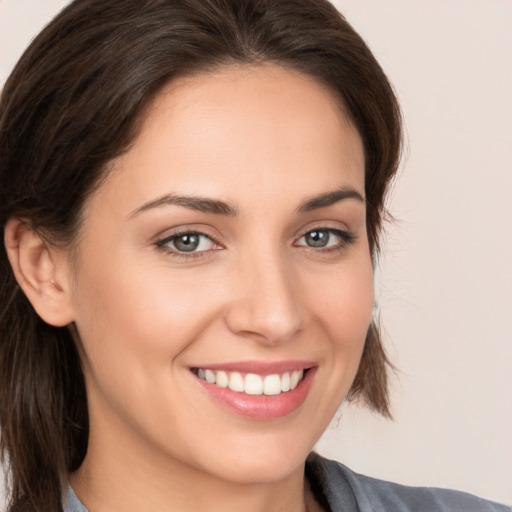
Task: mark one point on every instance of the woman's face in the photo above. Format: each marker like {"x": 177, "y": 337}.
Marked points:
{"x": 228, "y": 244}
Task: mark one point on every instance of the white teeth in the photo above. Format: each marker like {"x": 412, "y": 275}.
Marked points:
{"x": 236, "y": 382}
{"x": 222, "y": 379}
{"x": 295, "y": 378}
{"x": 285, "y": 382}
{"x": 272, "y": 385}
{"x": 253, "y": 384}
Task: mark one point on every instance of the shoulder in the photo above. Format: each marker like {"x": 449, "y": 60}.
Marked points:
{"x": 70, "y": 502}
{"x": 343, "y": 489}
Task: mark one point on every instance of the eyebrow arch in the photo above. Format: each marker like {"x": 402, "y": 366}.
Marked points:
{"x": 201, "y": 204}
{"x": 330, "y": 198}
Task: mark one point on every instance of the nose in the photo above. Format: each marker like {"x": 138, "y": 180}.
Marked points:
{"x": 265, "y": 304}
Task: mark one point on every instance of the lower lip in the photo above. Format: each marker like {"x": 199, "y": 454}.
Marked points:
{"x": 261, "y": 407}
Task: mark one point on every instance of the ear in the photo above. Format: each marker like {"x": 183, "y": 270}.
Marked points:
{"x": 42, "y": 271}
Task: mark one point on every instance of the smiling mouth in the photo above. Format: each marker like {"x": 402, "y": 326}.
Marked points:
{"x": 252, "y": 383}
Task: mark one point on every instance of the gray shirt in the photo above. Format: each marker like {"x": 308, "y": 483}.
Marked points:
{"x": 338, "y": 489}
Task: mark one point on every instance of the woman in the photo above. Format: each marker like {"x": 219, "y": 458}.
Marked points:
{"x": 192, "y": 195}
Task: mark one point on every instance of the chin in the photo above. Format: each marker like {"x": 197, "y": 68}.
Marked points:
{"x": 261, "y": 470}
{"x": 262, "y": 459}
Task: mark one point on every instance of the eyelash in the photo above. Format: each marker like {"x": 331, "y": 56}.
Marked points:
{"x": 346, "y": 239}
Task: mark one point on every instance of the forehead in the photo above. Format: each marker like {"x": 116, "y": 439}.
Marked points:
{"x": 264, "y": 129}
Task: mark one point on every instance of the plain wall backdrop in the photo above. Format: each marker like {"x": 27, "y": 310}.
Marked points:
{"x": 444, "y": 281}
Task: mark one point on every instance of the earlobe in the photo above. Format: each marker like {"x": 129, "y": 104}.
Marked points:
{"x": 41, "y": 270}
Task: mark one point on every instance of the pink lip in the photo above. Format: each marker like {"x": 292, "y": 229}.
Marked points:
{"x": 261, "y": 407}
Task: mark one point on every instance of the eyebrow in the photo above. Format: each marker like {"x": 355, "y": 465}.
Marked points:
{"x": 217, "y": 207}
{"x": 330, "y": 198}
{"x": 201, "y": 204}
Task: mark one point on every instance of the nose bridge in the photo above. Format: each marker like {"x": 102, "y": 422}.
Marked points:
{"x": 265, "y": 304}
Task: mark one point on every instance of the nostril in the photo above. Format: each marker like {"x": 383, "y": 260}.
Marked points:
{"x": 263, "y": 320}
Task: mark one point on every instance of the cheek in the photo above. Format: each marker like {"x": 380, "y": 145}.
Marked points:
{"x": 342, "y": 300}
{"x": 349, "y": 328}
{"x": 133, "y": 334}
{"x": 139, "y": 313}
{"x": 344, "y": 303}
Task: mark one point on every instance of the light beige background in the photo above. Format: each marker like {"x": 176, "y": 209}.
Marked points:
{"x": 445, "y": 280}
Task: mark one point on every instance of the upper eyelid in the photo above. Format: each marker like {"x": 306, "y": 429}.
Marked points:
{"x": 326, "y": 226}
{"x": 165, "y": 239}
{"x": 186, "y": 230}
{"x": 336, "y": 231}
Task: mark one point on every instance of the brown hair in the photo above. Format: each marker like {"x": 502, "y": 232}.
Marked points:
{"x": 73, "y": 103}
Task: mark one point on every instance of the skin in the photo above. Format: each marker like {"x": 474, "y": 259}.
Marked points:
{"x": 265, "y": 140}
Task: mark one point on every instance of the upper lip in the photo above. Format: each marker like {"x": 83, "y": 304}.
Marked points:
{"x": 258, "y": 367}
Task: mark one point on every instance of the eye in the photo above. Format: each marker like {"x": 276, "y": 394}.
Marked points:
{"x": 325, "y": 238}
{"x": 187, "y": 242}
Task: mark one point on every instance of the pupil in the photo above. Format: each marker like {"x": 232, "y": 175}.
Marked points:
{"x": 317, "y": 238}
{"x": 187, "y": 243}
